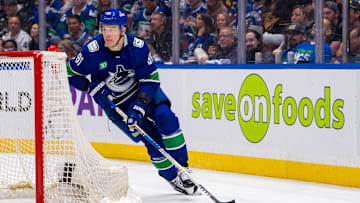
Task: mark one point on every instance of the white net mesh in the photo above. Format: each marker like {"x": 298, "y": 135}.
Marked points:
{"x": 73, "y": 170}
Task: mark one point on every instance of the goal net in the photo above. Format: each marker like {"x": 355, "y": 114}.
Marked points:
{"x": 43, "y": 150}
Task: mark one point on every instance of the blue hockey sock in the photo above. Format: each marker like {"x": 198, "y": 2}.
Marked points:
{"x": 165, "y": 167}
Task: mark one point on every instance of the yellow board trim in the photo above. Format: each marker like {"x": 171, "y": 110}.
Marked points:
{"x": 27, "y": 146}
{"x": 321, "y": 173}
{"x": 121, "y": 151}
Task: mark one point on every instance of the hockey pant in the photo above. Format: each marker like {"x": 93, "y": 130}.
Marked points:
{"x": 163, "y": 127}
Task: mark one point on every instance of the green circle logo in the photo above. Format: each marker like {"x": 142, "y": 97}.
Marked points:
{"x": 254, "y": 108}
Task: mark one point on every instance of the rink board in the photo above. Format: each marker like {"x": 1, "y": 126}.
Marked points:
{"x": 273, "y": 120}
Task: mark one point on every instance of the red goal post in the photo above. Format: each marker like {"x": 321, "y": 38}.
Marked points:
{"x": 43, "y": 150}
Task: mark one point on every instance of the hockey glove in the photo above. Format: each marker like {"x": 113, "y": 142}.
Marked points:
{"x": 136, "y": 113}
{"x": 99, "y": 91}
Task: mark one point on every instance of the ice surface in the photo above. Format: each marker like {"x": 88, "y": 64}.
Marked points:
{"x": 151, "y": 188}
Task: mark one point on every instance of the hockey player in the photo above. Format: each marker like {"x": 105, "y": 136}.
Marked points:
{"x": 121, "y": 65}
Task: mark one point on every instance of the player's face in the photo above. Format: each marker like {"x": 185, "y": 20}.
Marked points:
{"x": 111, "y": 34}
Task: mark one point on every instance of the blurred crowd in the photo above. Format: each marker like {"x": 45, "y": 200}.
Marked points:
{"x": 277, "y": 31}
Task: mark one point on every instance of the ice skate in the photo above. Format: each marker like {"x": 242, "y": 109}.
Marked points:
{"x": 188, "y": 182}
{"x": 188, "y": 187}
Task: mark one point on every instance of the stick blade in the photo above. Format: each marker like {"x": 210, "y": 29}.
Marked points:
{"x": 217, "y": 201}
{"x": 232, "y": 201}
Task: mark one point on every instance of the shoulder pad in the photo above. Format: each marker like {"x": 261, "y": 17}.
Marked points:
{"x": 138, "y": 42}
{"x": 93, "y": 46}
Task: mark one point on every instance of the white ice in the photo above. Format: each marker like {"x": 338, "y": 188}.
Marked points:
{"x": 151, "y": 188}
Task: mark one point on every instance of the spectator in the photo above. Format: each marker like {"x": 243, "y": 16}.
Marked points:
{"x": 124, "y": 5}
{"x": 142, "y": 18}
{"x": 69, "y": 5}
{"x": 354, "y": 23}
{"x": 1, "y": 45}
{"x": 136, "y": 6}
{"x": 131, "y": 7}
{"x": 268, "y": 6}
{"x": 276, "y": 15}
{"x": 339, "y": 3}
{"x": 10, "y": 9}
{"x": 159, "y": 38}
{"x": 203, "y": 37}
{"x": 87, "y": 13}
{"x": 354, "y": 14}
{"x": 102, "y": 6}
{"x": 24, "y": 10}
{"x": 10, "y": 45}
{"x": 228, "y": 47}
{"x": 165, "y": 5}
{"x": 78, "y": 35}
{"x": 331, "y": 12}
{"x": 187, "y": 20}
{"x": 222, "y": 20}
{"x": 354, "y": 48}
{"x": 213, "y": 7}
{"x": 34, "y": 34}
{"x": 305, "y": 52}
{"x": 297, "y": 18}
{"x": 296, "y": 34}
{"x": 253, "y": 14}
{"x": 21, "y": 37}
{"x": 52, "y": 17}
{"x": 297, "y": 15}
{"x": 68, "y": 47}
{"x": 309, "y": 12}
{"x": 254, "y": 44}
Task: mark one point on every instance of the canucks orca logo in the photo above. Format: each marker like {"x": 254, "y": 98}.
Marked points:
{"x": 122, "y": 80}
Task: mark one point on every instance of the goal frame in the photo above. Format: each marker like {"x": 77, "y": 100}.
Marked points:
{"x": 38, "y": 104}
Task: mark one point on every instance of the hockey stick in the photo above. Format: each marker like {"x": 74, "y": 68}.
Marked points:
{"x": 164, "y": 153}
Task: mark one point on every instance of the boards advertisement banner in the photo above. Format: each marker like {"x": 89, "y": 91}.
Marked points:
{"x": 285, "y": 114}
